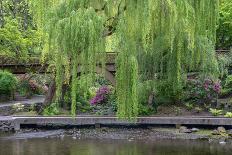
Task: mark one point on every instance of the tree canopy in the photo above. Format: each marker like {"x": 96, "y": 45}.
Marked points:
{"x": 157, "y": 41}
{"x": 224, "y": 31}
{"x": 18, "y": 34}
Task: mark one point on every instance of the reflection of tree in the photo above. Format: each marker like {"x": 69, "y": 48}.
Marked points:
{"x": 105, "y": 148}
{"x": 69, "y": 146}
{"x": 129, "y": 150}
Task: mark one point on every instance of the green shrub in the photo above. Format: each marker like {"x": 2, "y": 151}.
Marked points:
{"x": 228, "y": 82}
{"x": 51, "y": 110}
{"x": 215, "y": 112}
{"x": 8, "y": 82}
{"x": 189, "y": 106}
{"x": 198, "y": 109}
{"x": 228, "y": 114}
{"x": 227, "y": 87}
{"x": 202, "y": 90}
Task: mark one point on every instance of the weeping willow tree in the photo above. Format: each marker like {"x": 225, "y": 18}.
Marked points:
{"x": 159, "y": 41}
{"x": 179, "y": 37}
{"x": 75, "y": 37}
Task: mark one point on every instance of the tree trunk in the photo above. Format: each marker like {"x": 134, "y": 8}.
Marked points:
{"x": 49, "y": 97}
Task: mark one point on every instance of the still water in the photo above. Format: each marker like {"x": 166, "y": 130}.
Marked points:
{"x": 69, "y": 146}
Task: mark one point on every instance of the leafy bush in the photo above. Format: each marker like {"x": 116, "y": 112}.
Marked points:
{"x": 51, "y": 110}
{"x": 148, "y": 97}
{"x": 224, "y": 61}
{"x": 28, "y": 86}
{"x": 227, "y": 87}
{"x": 228, "y": 114}
{"x": 224, "y": 31}
{"x": 205, "y": 90}
{"x": 101, "y": 95}
{"x": 198, "y": 109}
{"x": 189, "y": 106}
{"x": 228, "y": 82}
{"x": 145, "y": 110}
{"x": 8, "y": 82}
{"x": 215, "y": 112}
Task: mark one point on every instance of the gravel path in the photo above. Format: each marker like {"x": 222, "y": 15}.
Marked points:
{"x": 33, "y": 100}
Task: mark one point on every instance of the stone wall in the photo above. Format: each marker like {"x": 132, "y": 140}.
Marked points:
{"x": 6, "y": 125}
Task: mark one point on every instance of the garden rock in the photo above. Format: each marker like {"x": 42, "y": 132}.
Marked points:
{"x": 6, "y": 126}
{"x": 229, "y": 132}
{"x": 215, "y": 132}
{"x": 194, "y": 129}
{"x": 184, "y": 129}
{"x": 221, "y": 130}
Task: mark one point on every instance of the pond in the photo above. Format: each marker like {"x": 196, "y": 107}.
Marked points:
{"x": 70, "y": 146}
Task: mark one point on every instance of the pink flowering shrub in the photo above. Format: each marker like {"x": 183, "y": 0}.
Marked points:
{"x": 206, "y": 90}
{"x": 27, "y": 87}
{"x": 101, "y": 96}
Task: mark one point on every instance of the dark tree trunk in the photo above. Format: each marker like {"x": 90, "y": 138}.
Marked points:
{"x": 151, "y": 99}
{"x": 1, "y": 14}
{"x": 49, "y": 97}
{"x": 62, "y": 99}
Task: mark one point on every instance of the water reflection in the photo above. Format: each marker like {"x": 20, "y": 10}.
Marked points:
{"x": 69, "y": 146}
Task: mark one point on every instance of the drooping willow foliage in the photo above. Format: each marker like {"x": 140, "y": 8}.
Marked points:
{"x": 169, "y": 39}
{"x": 75, "y": 37}
{"x": 179, "y": 37}
{"x": 41, "y": 9}
{"x": 158, "y": 41}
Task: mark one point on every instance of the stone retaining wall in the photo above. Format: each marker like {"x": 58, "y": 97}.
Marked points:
{"x": 6, "y": 125}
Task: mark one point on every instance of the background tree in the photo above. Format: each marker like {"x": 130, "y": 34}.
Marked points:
{"x": 224, "y": 31}
{"x": 18, "y": 34}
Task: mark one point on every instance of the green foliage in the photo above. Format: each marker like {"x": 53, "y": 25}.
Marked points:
{"x": 51, "y": 110}
{"x": 228, "y": 81}
{"x": 18, "y": 36}
{"x": 202, "y": 90}
{"x": 13, "y": 42}
{"x": 177, "y": 110}
{"x": 76, "y": 38}
{"x": 189, "y": 106}
{"x": 168, "y": 39}
{"x": 180, "y": 39}
{"x": 41, "y": 9}
{"x": 126, "y": 88}
{"x": 215, "y": 112}
{"x": 145, "y": 110}
{"x": 148, "y": 101}
{"x": 8, "y": 82}
{"x": 224, "y": 31}
{"x": 198, "y": 109}
{"x": 224, "y": 61}
{"x": 227, "y": 87}
{"x": 228, "y": 114}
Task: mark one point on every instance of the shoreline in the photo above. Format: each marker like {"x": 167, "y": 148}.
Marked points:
{"x": 130, "y": 134}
